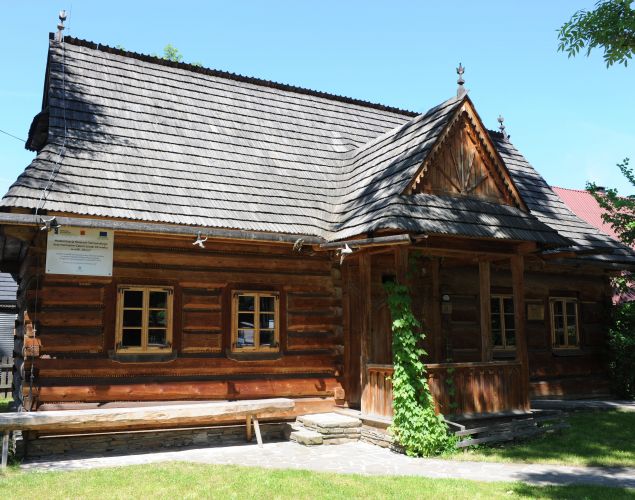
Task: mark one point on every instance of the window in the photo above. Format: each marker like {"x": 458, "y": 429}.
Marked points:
{"x": 564, "y": 322}
{"x": 255, "y": 321}
{"x": 503, "y": 324}
{"x": 144, "y": 319}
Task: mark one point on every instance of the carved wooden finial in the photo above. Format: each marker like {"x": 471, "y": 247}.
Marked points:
{"x": 60, "y": 26}
{"x": 501, "y": 127}
{"x": 460, "y": 92}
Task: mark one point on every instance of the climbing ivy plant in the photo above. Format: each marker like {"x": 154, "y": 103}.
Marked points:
{"x": 416, "y": 426}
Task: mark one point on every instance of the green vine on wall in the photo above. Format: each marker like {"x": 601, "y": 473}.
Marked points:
{"x": 416, "y": 426}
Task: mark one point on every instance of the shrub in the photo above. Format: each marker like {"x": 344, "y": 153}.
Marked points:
{"x": 622, "y": 350}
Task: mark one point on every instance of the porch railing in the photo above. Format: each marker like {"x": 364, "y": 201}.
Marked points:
{"x": 457, "y": 388}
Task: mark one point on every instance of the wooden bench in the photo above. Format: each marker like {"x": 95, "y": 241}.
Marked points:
{"x": 118, "y": 419}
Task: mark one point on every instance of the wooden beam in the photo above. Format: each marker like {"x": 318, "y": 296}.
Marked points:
{"x": 5, "y": 449}
{"x": 248, "y": 433}
{"x": 518, "y": 286}
{"x": 395, "y": 239}
{"x": 117, "y": 418}
{"x": 486, "y": 309}
{"x": 435, "y": 316}
{"x": 401, "y": 264}
{"x": 365, "y": 324}
{"x": 257, "y": 429}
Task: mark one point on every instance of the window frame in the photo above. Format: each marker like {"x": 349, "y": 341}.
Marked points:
{"x": 564, "y": 300}
{"x": 144, "y": 348}
{"x": 501, "y": 298}
{"x": 256, "y": 348}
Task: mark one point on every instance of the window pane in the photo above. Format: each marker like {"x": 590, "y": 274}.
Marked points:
{"x": 498, "y": 337}
{"x": 131, "y": 337}
{"x": 132, "y": 318}
{"x": 267, "y": 303}
{"x": 572, "y": 335}
{"x": 557, "y": 308}
{"x": 158, "y": 300}
{"x": 156, "y": 318}
{"x": 245, "y": 338}
{"x": 559, "y": 329}
{"x": 246, "y": 303}
{"x": 495, "y": 306}
{"x": 157, "y": 336}
{"x": 267, "y": 321}
{"x": 132, "y": 298}
{"x": 570, "y": 308}
{"x": 508, "y": 304}
{"x": 509, "y": 322}
{"x": 266, "y": 337}
{"x": 246, "y": 320}
{"x": 510, "y": 337}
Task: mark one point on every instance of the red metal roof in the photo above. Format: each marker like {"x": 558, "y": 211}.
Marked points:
{"x": 586, "y": 207}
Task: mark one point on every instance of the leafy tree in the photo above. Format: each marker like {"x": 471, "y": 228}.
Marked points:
{"x": 171, "y": 53}
{"x": 619, "y": 211}
{"x": 611, "y": 26}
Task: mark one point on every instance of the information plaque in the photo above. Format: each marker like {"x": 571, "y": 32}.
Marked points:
{"x": 79, "y": 251}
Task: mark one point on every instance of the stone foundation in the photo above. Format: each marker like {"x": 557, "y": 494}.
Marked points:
{"x": 141, "y": 441}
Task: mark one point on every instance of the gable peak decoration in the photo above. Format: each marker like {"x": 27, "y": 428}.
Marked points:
{"x": 465, "y": 163}
{"x": 460, "y": 91}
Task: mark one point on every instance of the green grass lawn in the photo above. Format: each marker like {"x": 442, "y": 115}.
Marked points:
{"x": 183, "y": 480}
{"x": 603, "y": 438}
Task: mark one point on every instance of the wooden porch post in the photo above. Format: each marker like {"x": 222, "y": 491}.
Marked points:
{"x": 435, "y": 319}
{"x": 486, "y": 310}
{"x": 518, "y": 270}
{"x": 401, "y": 264}
{"x": 365, "y": 325}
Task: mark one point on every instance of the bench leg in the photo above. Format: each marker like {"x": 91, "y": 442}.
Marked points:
{"x": 248, "y": 428}
{"x": 5, "y": 449}
{"x": 257, "y": 429}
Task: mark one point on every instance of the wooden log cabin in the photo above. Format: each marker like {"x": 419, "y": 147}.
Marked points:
{"x": 252, "y": 226}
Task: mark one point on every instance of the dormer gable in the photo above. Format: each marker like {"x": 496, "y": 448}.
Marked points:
{"x": 465, "y": 163}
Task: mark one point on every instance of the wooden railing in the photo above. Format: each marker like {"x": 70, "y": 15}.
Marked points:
{"x": 488, "y": 387}
{"x": 377, "y": 398}
{"x": 457, "y": 388}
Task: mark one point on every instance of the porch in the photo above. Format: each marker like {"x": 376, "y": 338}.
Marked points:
{"x": 452, "y": 285}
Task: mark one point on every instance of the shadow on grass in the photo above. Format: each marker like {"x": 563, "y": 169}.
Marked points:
{"x": 602, "y": 438}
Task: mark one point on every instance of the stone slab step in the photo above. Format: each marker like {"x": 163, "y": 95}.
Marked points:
{"x": 323, "y": 422}
{"x": 306, "y": 437}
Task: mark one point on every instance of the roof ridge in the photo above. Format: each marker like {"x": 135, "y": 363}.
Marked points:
{"x": 234, "y": 76}
{"x": 570, "y": 189}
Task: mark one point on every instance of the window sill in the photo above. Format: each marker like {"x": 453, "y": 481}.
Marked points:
{"x": 253, "y": 355}
{"x": 566, "y": 351}
{"x": 143, "y": 357}
{"x": 504, "y": 353}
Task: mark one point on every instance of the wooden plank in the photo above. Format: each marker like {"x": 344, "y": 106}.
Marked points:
{"x": 365, "y": 312}
{"x": 518, "y": 288}
{"x": 257, "y": 429}
{"x": 435, "y": 312}
{"x": 486, "y": 309}
{"x": 114, "y": 418}
{"x": 5, "y": 449}
{"x": 248, "y": 428}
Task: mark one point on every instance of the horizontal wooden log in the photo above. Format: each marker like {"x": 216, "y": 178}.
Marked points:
{"x": 72, "y": 318}
{"x": 114, "y": 418}
{"x": 201, "y": 319}
{"x": 71, "y": 295}
{"x": 261, "y": 387}
{"x": 202, "y": 342}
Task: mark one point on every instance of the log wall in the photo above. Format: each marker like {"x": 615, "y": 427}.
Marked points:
{"x": 75, "y": 323}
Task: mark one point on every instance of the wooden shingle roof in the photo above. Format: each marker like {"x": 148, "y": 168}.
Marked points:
{"x": 151, "y": 140}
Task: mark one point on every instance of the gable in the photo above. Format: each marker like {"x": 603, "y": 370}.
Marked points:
{"x": 464, "y": 163}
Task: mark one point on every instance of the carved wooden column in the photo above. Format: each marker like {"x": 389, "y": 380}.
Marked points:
{"x": 486, "y": 309}
{"x": 365, "y": 324}
{"x": 518, "y": 285}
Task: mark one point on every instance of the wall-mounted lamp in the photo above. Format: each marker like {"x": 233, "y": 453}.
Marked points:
{"x": 48, "y": 224}
{"x": 200, "y": 240}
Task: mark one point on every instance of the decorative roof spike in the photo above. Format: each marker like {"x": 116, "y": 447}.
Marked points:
{"x": 460, "y": 92}
{"x": 60, "y": 26}
{"x": 501, "y": 127}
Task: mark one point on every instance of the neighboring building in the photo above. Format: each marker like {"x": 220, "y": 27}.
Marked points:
{"x": 583, "y": 204}
{"x": 254, "y": 225}
{"x": 8, "y": 310}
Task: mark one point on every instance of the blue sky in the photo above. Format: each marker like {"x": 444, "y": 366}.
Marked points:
{"x": 572, "y": 118}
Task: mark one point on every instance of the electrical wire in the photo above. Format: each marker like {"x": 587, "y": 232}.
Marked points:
{"x": 11, "y": 135}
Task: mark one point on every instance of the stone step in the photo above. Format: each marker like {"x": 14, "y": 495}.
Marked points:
{"x": 306, "y": 437}
{"x": 331, "y": 423}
